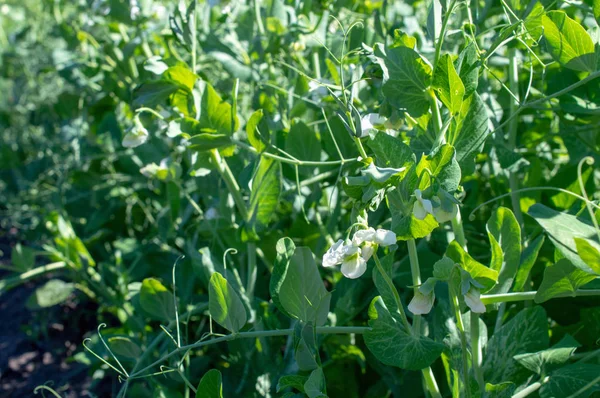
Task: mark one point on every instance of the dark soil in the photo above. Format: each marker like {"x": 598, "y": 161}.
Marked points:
{"x": 35, "y": 346}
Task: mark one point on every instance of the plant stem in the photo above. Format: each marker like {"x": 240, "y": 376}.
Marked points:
{"x": 459, "y": 232}
{"x": 231, "y": 183}
{"x": 523, "y": 296}
{"x": 530, "y": 389}
{"x": 513, "y": 83}
{"x": 256, "y": 334}
{"x": 476, "y": 351}
{"x": 430, "y": 381}
{"x": 463, "y": 341}
{"x": 9, "y": 283}
{"x": 438, "y": 45}
{"x": 251, "y": 277}
{"x": 416, "y": 278}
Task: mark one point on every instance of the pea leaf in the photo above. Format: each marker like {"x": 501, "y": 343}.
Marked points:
{"x": 125, "y": 347}
{"x": 569, "y": 43}
{"x": 254, "y": 137}
{"x": 265, "y": 192}
{"x": 528, "y": 258}
{"x": 406, "y": 77}
{"x": 560, "y": 278}
{"x": 447, "y": 84}
{"x": 211, "y": 385}
{"x": 50, "y": 294}
{"x": 588, "y": 251}
{"x": 443, "y": 165}
{"x": 526, "y": 332}
{"x": 542, "y": 362}
{"x": 393, "y": 345}
{"x": 504, "y": 233}
{"x": 302, "y": 143}
{"x": 225, "y": 305}
{"x": 216, "y": 114}
{"x": 156, "y": 300}
{"x": 467, "y": 66}
{"x": 22, "y": 257}
{"x": 562, "y": 229}
{"x": 296, "y": 285}
{"x": 391, "y": 152}
{"x": 570, "y": 379}
{"x": 291, "y": 381}
{"x": 482, "y": 274}
{"x": 315, "y": 385}
{"x": 468, "y": 131}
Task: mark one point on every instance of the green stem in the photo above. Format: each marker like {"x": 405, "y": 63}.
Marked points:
{"x": 440, "y": 139}
{"x": 231, "y": 183}
{"x": 251, "y": 277}
{"x": 9, "y": 283}
{"x": 430, "y": 381}
{"x": 513, "y": 83}
{"x": 361, "y": 148}
{"x": 463, "y": 341}
{"x": 256, "y": 334}
{"x": 476, "y": 351}
{"x": 524, "y": 296}
{"x": 459, "y": 232}
{"x": 438, "y": 45}
{"x": 397, "y": 299}
{"x": 415, "y": 272}
{"x": 530, "y": 389}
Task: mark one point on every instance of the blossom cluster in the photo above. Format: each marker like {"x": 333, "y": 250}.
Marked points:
{"x": 354, "y": 254}
{"x": 440, "y": 206}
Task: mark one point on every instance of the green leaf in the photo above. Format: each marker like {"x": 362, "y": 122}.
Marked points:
{"x": 569, "y": 43}
{"x": 296, "y": 285}
{"x": 211, "y": 385}
{"x": 393, "y": 345}
{"x": 526, "y": 332}
{"x": 391, "y": 152}
{"x": 156, "y": 300}
{"x": 504, "y": 233}
{"x": 303, "y": 144}
{"x": 542, "y": 362}
{"x": 596, "y": 10}
{"x": 467, "y": 66}
{"x": 256, "y": 138}
{"x": 528, "y": 258}
{"x": 225, "y": 305}
{"x": 500, "y": 390}
{"x": 560, "y": 278}
{"x": 406, "y": 77}
{"x": 265, "y": 192}
{"x": 409, "y": 227}
{"x": 124, "y": 347}
{"x": 468, "y": 131}
{"x": 447, "y": 84}
{"x": 569, "y": 380}
{"x": 315, "y": 385}
{"x": 562, "y": 229}
{"x": 153, "y": 93}
{"x": 216, "y": 114}
{"x": 206, "y": 142}
{"x": 589, "y": 253}
{"x": 384, "y": 290}
{"x": 482, "y": 274}
{"x": 443, "y": 165}
{"x": 50, "y": 294}
{"x": 22, "y": 257}
{"x": 181, "y": 75}
{"x": 291, "y": 381}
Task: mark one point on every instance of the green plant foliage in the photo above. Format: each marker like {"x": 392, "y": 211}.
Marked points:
{"x": 211, "y": 385}
{"x": 225, "y": 305}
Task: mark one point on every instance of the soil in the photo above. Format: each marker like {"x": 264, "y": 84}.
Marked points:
{"x": 35, "y": 346}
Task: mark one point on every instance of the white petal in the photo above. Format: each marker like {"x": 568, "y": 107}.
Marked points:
{"x": 427, "y": 205}
{"x": 353, "y": 267}
{"x": 384, "y": 237}
{"x": 367, "y": 251}
{"x": 334, "y": 255}
{"x": 135, "y": 138}
{"x": 419, "y": 211}
{"x": 473, "y": 300}
{"x": 442, "y": 216}
{"x": 421, "y": 303}
{"x": 150, "y": 170}
{"x": 363, "y": 235}
{"x": 418, "y": 195}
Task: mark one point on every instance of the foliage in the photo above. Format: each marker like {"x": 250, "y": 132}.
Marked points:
{"x": 190, "y": 166}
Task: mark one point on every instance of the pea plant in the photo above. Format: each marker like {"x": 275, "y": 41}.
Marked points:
{"x": 313, "y": 198}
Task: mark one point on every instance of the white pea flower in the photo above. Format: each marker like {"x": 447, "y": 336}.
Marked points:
{"x": 135, "y": 137}
{"x": 367, "y": 251}
{"x": 317, "y": 90}
{"x": 334, "y": 255}
{"x": 381, "y": 237}
{"x": 422, "y": 207}
{"x": 473, "y": 300}
{"x": 421, "y": 304}
{"x": 150, "y": 170}
{"x": 370, "y": 122}
{"x": 442, "y": 215}
{"x": 354, "y": 265}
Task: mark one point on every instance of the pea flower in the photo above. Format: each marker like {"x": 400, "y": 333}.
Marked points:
{"x": 422, "y": 207}
{"x": 370, "y": 122}
{"x": 424, "y": 297}
{"x": 473, "y": 300}
{"x": 354, "y": 254}
{"x": 136, "y": 136}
